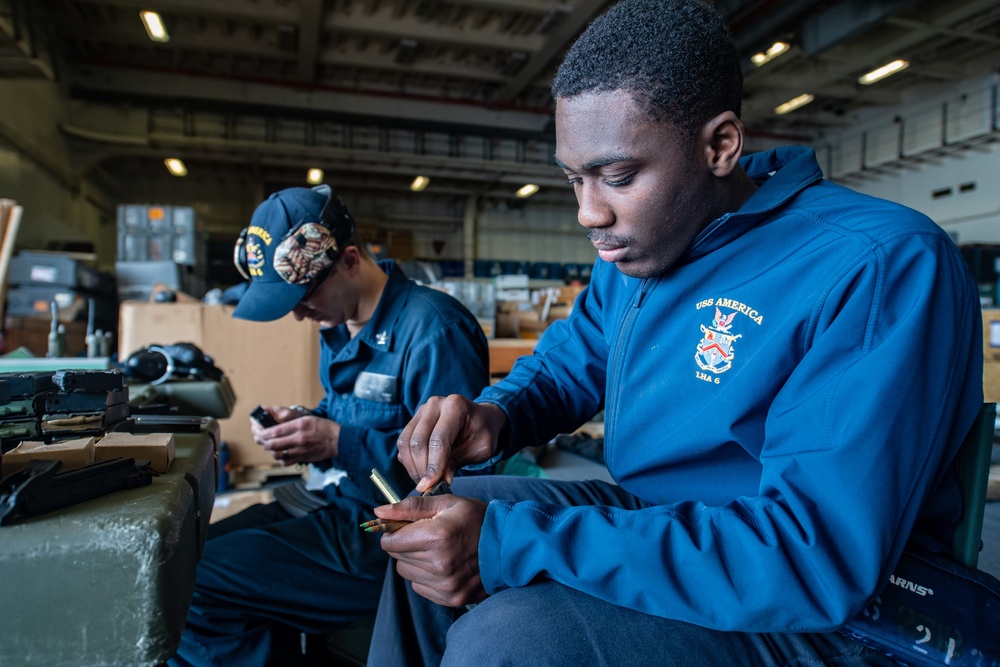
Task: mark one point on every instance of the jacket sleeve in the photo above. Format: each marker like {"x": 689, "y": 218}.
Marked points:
{"x": 561, "y": 385}
{"x": 848, "y": 460}
{"x": 451, "y": 360}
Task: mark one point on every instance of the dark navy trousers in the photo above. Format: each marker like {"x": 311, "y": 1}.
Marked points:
{"x": 266, "y": 576}
{"x": 549, "y": 624}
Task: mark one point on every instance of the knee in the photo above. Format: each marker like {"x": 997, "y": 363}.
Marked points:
{"x": 478, "y": 638}
{"x": 500, "y": 631}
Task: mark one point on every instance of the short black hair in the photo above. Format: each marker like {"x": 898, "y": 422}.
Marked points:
{"x": 676, "y": 57}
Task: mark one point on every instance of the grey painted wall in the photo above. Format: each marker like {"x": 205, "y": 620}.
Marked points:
{"x": 35, "y": 170}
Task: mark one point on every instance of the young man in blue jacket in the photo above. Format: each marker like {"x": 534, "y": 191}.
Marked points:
{"x": 786, "y": 368}
{"x": 388, "y": 344}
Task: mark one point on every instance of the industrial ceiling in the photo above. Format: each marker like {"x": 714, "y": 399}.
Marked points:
{"x": 251, "y": 93}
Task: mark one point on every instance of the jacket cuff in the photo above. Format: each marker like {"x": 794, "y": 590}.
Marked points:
{"x": 506, "y": 437}
{"x": 490, "y": 566}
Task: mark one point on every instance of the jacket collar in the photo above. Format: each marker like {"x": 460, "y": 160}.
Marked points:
{"x": 780, "y": 174}
{"x": 378, "y": 333}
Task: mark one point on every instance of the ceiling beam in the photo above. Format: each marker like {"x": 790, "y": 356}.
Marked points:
{"x": 525, "y": 6}
{"x": 242, "y": 42}
{"x": 366, "y": 60}
{"x": 26, "y": 49}
{"x": 430, "y": 33}
{"x": 941, "y": 16}
{"x": 559, "y": 40}
{"x": 139, "y": 84}
{"x": 844, "y": 20}
{"x": 248, "y": 11}
{"x": 929, "y": 29}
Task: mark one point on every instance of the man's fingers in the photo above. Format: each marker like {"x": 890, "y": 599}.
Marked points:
{"x": 404, "y": 453}
{"x": 453, "y": 413}
{"x": 434, "y": 585}
{"x": 415, "y": 442}
{"x": 284, "y": 455}
{"x": 428, "y": 444}
{"x": 415, "y": 508}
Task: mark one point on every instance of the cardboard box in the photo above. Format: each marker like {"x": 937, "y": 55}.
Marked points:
{"x": 74, "y": 454}
{"x": 157, "y": 448}
{"x": 505, "y": 351}
{"x": 269, "y": 363}
{"x": 991, "y": 354}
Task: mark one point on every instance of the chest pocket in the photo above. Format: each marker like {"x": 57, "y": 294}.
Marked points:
{"x": 373, "y": 403}
{"x": 375, "y": 387}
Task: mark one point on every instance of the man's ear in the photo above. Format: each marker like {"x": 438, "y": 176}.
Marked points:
{"x": 722, "y": 138}
{"x": 351, "y": 257}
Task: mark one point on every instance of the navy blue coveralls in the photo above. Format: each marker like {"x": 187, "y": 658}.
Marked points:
{"x": 265, "y": 575}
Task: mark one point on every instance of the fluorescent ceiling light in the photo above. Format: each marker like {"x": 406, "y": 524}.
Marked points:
{"x": 154, "y": 26}
{"x": 527, "y": 190}
{"x": 419, "y": 183}
{"x": 314, "y": 176}
{"x": 175, "y": 166}
{"x": 794, "y": 103}
{"x": 882, "y": 72}
{"x": 772, "y": 52}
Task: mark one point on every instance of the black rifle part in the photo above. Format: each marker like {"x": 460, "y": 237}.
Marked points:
{"x": 83, "y": 401}
{"x": 37, "y": 488}
{"x": 93, "y": 381}
{"x": 160, "y": 423}
{"x": 27, "y": 384}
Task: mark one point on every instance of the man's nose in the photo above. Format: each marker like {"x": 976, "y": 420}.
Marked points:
{"x": 594, "y": 209}
{"x": 299, "y": 311}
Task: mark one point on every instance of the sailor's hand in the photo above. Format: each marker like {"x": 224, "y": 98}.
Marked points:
{"x": 448, "y": 432}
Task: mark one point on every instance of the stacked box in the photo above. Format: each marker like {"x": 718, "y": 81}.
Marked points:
{"x": 38, "y": 279}
{"x": 576, "y": 273}
{"x": 84, "y": 403}
{"x": 487, "y": 268}
{"x": 73, "y": 454}
{"x": 50, "y": 406}
{"x": 158, "y": 233}
{"x": 21, "y": 410}
{"x": 546, "y": 271}
{"x": 39, "y": 268}
{"x": 157, "y": 448}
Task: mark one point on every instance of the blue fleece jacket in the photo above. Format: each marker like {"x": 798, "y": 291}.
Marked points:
{"x": 785, "y": 399}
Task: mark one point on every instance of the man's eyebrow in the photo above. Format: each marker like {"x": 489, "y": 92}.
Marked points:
{"x": 597, "y": 164}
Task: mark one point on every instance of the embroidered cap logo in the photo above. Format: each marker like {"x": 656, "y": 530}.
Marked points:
{"x": 306, "y": 254}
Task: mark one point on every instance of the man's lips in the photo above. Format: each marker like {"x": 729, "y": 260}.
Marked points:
{"x": 610, "y": 252}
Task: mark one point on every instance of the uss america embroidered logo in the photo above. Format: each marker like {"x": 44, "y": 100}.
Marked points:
{"x": 715, "y": 350}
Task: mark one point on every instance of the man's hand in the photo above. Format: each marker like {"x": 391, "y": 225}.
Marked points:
{"x": 439, "y": 552}
{"x": 448, "y": 433}
{"x": 299, "y": 437}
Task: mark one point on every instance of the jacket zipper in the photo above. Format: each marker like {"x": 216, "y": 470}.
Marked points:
{"x": 615, "y": 370}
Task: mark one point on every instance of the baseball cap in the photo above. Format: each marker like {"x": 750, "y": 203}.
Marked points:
{"x": 270, "y": 296}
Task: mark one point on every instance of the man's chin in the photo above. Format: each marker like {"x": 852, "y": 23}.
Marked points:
{"x": 636, "y": 269}
{"x": 319, "y": 320}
